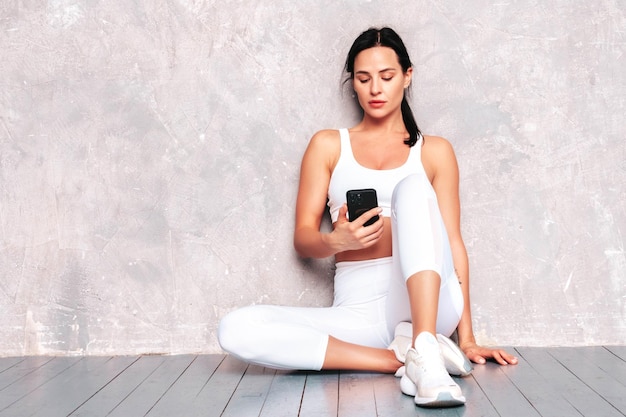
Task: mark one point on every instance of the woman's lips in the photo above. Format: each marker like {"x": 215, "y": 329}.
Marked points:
{"x": 376, "y": 103}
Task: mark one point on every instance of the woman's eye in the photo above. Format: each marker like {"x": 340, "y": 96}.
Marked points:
{"x": 363, "y": 80}
{"x": 387, "y": 78}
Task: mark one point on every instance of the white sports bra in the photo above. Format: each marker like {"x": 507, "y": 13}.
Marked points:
{"x": 350, "y": 175}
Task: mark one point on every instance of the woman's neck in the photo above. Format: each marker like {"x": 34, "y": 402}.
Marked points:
{"x": 391, "y": 124}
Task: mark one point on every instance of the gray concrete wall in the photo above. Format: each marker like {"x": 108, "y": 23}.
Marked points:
{"x": 149, "y": 156}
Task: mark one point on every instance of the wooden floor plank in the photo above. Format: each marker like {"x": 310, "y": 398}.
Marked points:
{"x": 77, "y": 385}
{"x": 219, "y": 388}
{"x": 113, "y": 394}
{"x": 356, "y": 395}
{"x": 596, "y": 378}
{"x": 179, "y": 399}
{"x": 569, "y": 385}
{"x": 476, "y": 401}
{"x": 605, "y": 360}
{"x": 141, "y": 400}
{"x": 321, "y": 394}
{"x": 11, "y": 395}
{"x": 502, "y": 393}
{"x": 8, "y": 363}
{"x": 251, "y": 393}
{"x": 441, "y": 412}
{"x": 120, "y": 387}
{"x": 544, "y": 394}
{"x": 19, "y": 370}
{"x": 619, "y": 351}
{"x": 285, "y": 395}
{"x": 389, "y": 400}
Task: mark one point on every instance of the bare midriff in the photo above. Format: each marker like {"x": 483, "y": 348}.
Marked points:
{"x": 381, "y": 249}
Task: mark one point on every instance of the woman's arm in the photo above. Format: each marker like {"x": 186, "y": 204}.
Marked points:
{"x": 445, "y": 180}
{"x": 318, "y": 163}
{"x": 315, "y": 171}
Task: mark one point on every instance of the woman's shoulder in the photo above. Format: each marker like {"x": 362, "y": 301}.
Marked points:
{"x": 437, "y": 146}
{"x": 326, "y": 135}
{"x": 325, "y": 145}
{"x": 327, "y": 140}
{"x": 437, "y": 155}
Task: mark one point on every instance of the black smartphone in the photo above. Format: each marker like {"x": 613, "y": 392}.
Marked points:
{"x": 360, "y": 201}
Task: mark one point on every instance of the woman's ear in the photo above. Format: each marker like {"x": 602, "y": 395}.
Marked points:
{"x": 408, "y": 75}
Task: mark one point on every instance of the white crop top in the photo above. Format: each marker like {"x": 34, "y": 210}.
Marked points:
{"x": 350, "y": 175}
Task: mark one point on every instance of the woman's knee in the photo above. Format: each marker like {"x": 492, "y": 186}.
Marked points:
{"x": 235, "y": 328}
{"x": 413, "y": 184}
{"x": 411, "y": 193}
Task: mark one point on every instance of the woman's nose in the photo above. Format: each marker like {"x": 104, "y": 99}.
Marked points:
{"x": 375, "y": 86}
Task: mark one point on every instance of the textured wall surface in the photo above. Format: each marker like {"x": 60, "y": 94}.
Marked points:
{"x": 149, "y": 157}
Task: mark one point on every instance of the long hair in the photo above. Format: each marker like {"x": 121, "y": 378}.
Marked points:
{"x": 387, "y": 37}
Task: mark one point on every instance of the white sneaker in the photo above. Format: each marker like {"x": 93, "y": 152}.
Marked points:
{"x": 400, "y": 346}
{"x": 426, "y": 377}
{"x": 456, "y": 362}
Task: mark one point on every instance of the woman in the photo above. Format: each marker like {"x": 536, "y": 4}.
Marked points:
{"x": 409, "y": 266}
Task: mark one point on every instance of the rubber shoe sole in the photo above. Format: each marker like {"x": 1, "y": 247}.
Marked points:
{"x": 444, "y": 399}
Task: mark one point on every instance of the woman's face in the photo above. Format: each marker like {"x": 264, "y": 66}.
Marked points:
{"x": 379, "y": 81}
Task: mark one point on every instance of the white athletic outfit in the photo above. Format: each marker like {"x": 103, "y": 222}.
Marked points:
{"x": 370, "y": 296}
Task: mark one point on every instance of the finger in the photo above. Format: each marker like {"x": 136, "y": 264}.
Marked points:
{"x": 476, "y": 358}
{"x": 509, "y": 358}
{"x": 374, "y": 211}
{"x": 368, "y": 215}
{"x": 371, "y": 238}
{"x": 497, "y": 356}
{"x": 343, "y": 213}
{"x": 505, "y": 358}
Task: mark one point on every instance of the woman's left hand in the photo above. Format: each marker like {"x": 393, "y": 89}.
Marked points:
{"x": 479, "y": 354}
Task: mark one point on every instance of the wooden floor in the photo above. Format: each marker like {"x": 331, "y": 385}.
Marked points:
{"x": 589, "y": 381}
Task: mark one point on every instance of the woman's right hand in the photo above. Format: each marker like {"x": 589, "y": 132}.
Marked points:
{"x": 352, "y": 235}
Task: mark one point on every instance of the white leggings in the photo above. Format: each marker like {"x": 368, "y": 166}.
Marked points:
{"x": 370, "y": 297}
